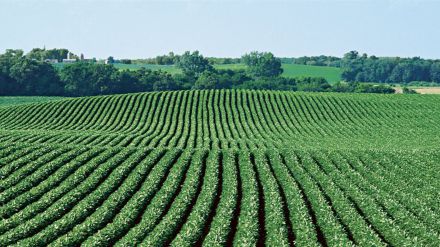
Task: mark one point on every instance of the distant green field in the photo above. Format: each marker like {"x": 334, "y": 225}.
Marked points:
{"x": 168, "y": 68}
{"x": 332, "y": 74}
{"x": 230, "y": 66}
{"x": 17, "y": 100}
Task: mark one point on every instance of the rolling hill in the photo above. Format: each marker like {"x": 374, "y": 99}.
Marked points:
{"x": 221, "y": 168}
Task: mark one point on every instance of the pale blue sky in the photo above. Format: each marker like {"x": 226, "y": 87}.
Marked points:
{"x": 137, "y": 29}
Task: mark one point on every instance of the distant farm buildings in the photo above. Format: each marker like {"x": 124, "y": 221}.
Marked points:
{"x": 69, "y": 58}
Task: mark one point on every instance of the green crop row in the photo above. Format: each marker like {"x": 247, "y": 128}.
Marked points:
{"x": 221, "y": 168}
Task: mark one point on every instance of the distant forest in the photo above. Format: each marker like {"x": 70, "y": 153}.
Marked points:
{"x": 34, "y": 74}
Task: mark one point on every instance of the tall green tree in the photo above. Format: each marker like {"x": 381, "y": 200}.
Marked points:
{"x": 262, "y": 64}
{"x": 58, "y": 54}
{"x": 110, "y": 60}
{"x": 37, "y": 54}
{"x": 9, "y": 86}
{"x": 193, "y": 64}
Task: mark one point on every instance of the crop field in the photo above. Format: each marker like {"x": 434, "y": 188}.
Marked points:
{"x": 221, "y": 168}
{"x": 18, "y": 100}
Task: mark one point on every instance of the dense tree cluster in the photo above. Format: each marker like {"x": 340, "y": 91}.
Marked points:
{"x": 364, "y": 68}
{"x": 43, "y": 54}
{"x": 314, "y": 60}
{"x": 262, "y": 64}
{"x": 167, "y": 59}
{"x": 356, "y": 87}
{"x": 20, "y": 75}
{"x": 23, "y": 75}
{"x": 173, "y": 59}
{"x": 193, "y": 64}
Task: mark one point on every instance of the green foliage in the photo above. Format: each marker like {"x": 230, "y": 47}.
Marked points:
{"x": 406, "y": 90}
{"x": 169, "y": 59}
{"x": 322, "y": 60}
{"x": 435, "y": 72}
{"x": 88, "y": 79}
{"x": 35, "y": 78}
{"x": 368, "y": 88}
{"x": 344, "y": 87}
{"x": 220, "y": 79}
{"x": 207, "y": 80}
{"x": 20, "y": 75}
{"x": 126, "y": 61}
{"x": 193, "y": 64}
{"x": 278, "y": 83}
{"x": 313, "y": 84}
{"x": 423, "y": 84}
{"x": 43, "y": 54}
{"x": 110, "y": 60}
{"x": 358, "y": 68}
{"x": 262, "y": 64}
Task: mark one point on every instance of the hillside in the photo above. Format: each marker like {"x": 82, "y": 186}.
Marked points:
{"x": 221, "y": 167}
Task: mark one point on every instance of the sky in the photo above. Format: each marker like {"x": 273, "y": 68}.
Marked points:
{"x": 228, "y": 28}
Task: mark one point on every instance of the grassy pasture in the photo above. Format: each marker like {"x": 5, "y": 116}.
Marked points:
{"x": 332, "y": 74}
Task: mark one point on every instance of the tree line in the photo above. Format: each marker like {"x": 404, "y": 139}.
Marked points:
{"x": 22, "y": 74}
{"x": 355, "y": 67}
{"x": 321, "y": 60}
{"x": 364, "y": 68}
